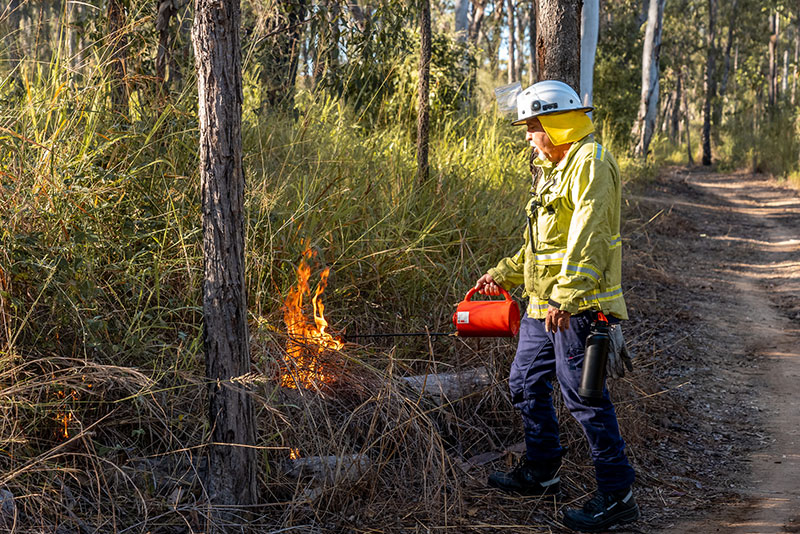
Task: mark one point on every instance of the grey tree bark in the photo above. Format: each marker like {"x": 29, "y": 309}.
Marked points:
{"x": 462, "y": 20}
{"x": 772, "y": 77}
{"x": 590, "y": 26}
{"x": 512, "y": 42}
{"x": 785, "y": 74}
{"x": 794, "y": 65}
{"x": 688, "y": 127}
{"x": 14, "y": 13}
{"x": 118, "y": 39}
{"x": 423, "y": 91}
{"x": 494, "y": 40}
{"x": 726, "y": 64}
{"x": 476, "y": 20}
{"x": 648, "y": 103}
{"x": 167, "y": 9}
{"x": 558, "y": 41}
{"x": 676, "y": 110}
{"x": 522, "y": 23}
{"x": 232, "y": 458}
{"x": 709, "y": 81}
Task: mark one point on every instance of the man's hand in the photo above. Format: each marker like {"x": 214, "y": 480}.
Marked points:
{"x": 556, "y": 319}
{"x": 487, "y": 286}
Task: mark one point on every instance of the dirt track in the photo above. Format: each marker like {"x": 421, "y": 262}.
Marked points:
{"x": 743, "y": 261}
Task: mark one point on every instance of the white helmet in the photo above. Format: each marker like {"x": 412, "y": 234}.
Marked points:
{"x": 549, "y": 96}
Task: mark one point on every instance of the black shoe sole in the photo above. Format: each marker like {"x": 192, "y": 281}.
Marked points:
{"x": 622, "y": 518}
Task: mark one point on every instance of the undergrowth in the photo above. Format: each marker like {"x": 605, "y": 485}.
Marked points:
{"x": 102, "y": 383}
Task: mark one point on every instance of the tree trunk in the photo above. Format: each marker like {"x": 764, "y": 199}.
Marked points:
{"x": 117, "y": 33}
{"x": 688, "y": 126}
{"x": 476, "y": 20}
{"x": 666, "y": 113}
{"x": 533, "y": 74}
{"x": 232, "y": 458}
{"x": 676, "y": 110}
{"x": 12, "y": 38}
{"x": 726, "y": 65}
{"x": 493, "y": 42}
{"x": 558, "y": 41}
{"x": 590, "y": 25}
{"x": 772, "y": 87}
{"x": 279, "y": 65}
{"x": 462, "y": 20}
{"x": 648, "y": 103}
{"x": 709, "y": 82}
{"x": 166, "y": 10}
{"x": 522, "y": 22}
{"x": 512, "y": 42}
{"x": 785, "y": 76}
{"x": 74, "y": 17}
{"x": 794, "y": 66}
{"x": 423, "y": 114}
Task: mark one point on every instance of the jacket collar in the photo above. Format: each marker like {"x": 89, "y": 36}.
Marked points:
{"x": 571, "y": 152}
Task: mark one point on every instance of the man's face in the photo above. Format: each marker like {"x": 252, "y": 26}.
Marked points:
{"x": 539, "y": 139}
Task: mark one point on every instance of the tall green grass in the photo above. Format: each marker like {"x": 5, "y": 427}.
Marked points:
{"x": 101, "y": 275}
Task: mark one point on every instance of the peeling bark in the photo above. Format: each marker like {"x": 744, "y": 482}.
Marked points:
{"x": 590, "y": 25}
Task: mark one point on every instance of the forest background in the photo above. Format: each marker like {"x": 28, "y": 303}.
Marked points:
{"x": 103, "y": 384}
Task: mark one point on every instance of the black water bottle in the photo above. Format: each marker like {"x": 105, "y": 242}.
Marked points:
{"x": 594, "y": 361}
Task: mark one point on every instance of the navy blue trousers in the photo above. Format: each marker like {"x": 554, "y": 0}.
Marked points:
{"x": 540, "y": 357}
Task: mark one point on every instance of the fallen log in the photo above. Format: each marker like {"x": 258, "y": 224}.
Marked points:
{"x": 329, "y": 469}
{"x": 450, "y": 386}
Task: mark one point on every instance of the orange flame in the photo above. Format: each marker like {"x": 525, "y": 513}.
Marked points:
{"x": 64, "y": 416}
{"x": 306, "y": 340}
{"x": 294, "y": 454}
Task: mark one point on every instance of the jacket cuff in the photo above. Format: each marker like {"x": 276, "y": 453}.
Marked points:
{"x": 565, "y": 306}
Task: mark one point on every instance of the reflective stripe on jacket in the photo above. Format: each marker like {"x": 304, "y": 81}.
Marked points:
{"x": 575, "y": 260}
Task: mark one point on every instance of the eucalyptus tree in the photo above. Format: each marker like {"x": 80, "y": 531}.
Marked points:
{"x": 167, "y": 9}
{"x": 590, "y": 26}
{"x": 648, "y": 102}
{"x": 709, "y": 80}
{"x": 558, "y": 40}
{"x": 232, "y": 456}
{"x": 423, "y": 110}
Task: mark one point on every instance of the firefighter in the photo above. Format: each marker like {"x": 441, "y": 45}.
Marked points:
{"x": 570, "y": 265}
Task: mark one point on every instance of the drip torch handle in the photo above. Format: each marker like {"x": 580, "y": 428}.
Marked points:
{"x": 474, "y": 290}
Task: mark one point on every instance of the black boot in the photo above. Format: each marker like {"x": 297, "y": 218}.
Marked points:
{"x": 529, "y": 478}
{"x": 602, "y": 511}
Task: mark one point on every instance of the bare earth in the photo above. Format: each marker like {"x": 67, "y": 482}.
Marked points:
{"x": 740, "y": 257}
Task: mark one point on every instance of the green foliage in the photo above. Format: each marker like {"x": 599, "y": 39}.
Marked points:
{"x": 386, "y": 91}
{"x": 617, "y": 80}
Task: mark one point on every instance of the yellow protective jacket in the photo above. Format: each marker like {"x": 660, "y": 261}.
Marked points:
{"x": 572, "y": 255}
